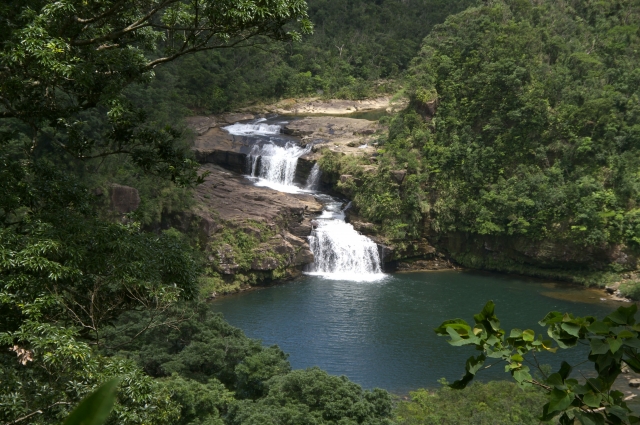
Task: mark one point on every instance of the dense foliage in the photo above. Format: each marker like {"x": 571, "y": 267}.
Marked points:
{"x": 357, "y": 50}
{"x": 69, "y": 269}
{"x": 523, "y": 124}
{"x": 493, "y": 403}
{"x": 613, "y": 343}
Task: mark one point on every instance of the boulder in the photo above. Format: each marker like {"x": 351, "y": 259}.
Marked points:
{"x": 304, "y": 256}
{"x": 264, "y": 263}
{"x": 124, "y": 199}
{"x": 226, "y": 261}
{"x": 398, "y": 175}
{"x": 635, "y": 383}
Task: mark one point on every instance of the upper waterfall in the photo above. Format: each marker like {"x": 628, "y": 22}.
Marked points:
{"x": 275, "y": 166}
{"x": 313, "y": 181}
{"x": 255, "y": 127}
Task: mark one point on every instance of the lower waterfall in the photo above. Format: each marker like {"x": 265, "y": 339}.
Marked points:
{"x": 340, "y": 251}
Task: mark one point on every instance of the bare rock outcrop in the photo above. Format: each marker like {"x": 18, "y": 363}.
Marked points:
{"x": 277, "y": 224}
{"x": 124, "y": 199}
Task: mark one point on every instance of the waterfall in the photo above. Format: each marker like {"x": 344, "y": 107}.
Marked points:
{"x": 256, "y": 127}
{"x": 275, "y": 166}
{"x": 313, "y": 181}
{"x": 341, "y": 252}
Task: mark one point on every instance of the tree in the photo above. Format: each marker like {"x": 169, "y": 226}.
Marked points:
{"x": 613, "y": 342}
{"x": 67, "y": 270}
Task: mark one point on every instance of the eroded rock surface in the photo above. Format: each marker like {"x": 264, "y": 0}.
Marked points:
{"x": 248, "y": 229}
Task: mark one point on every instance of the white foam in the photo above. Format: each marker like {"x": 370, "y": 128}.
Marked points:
{"x": 341, "y": 253}
{"x": 254, "y": 128}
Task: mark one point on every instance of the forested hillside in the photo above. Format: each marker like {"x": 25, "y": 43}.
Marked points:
{"x": 519, "y": 151}
{"x": 358, "y": 49}
{"x": 521, "y": 142}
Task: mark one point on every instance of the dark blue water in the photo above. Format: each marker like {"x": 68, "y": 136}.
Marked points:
{"x": 380, "y": 334}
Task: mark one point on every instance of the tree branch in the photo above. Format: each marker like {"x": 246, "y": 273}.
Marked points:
{"x": 105, "y": 14}
{"x": 140, "y": 23}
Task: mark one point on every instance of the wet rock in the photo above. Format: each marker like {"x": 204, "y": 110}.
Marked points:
{"x": 635, "y": 383}
{"x": 124, "y": 199}
{"x": 264, "y": 264}
{"x": 434, "y": 264}
{"x": 293, "y": 131}
{"x": 304, "y": 256}
{"x": 301, "y": 230}
{"x": 366, "y": 131}
{"x": 364, "y": 228}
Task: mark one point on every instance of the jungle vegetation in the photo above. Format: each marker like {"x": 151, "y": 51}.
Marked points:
{"x": 523, "y": 126}
{"x": 536, "y": 112}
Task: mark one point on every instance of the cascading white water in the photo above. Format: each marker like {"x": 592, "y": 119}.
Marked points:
{"x": 341, "y": 252}
{"x": 255, "y": 127}
{"x": 313, "y": 181}
{"x": 275, "y": 166}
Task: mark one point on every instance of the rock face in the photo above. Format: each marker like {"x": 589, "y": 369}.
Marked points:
{"x": 124, "y": 199}
{"x": 246, "y": 229}
{"x": 492, "y": 252}
{"x": 216, "y": 146}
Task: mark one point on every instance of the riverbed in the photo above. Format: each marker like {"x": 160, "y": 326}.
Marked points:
{"x": 380, "y": 333}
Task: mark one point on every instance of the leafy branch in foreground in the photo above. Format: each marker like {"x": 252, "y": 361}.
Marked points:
{"x": 612, "y": 341}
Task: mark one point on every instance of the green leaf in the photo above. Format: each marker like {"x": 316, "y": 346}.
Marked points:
{"x": 632, "y": 342}
{"x": 618, "y": 411}
{"x": 455, "y": 324}
{"x": 614, "y": 344}
{"x": 559, "y": 400}
{"x": 592, "y": 399}
{"x": 571, "y": 328}
{"x": 475, "y": 363}
{"x": 634, "y": 364}
{"x": 588, "y": 418}
{"x": 556, "y": 381}
{"x": 528, "y": 335}
{"x": 551, "y": 318}
{"x": 599, "y": 328}
{"x": 598, "y": 346}
{"x": 565, "y": 370}
{"x": 522, "y": 375}
{"x": 515, "y": 333}
{"x": 95, "y": 408}
{"x": 624, "y": 315}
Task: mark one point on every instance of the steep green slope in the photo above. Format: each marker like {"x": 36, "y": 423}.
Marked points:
{"x": 522, "y": 139}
